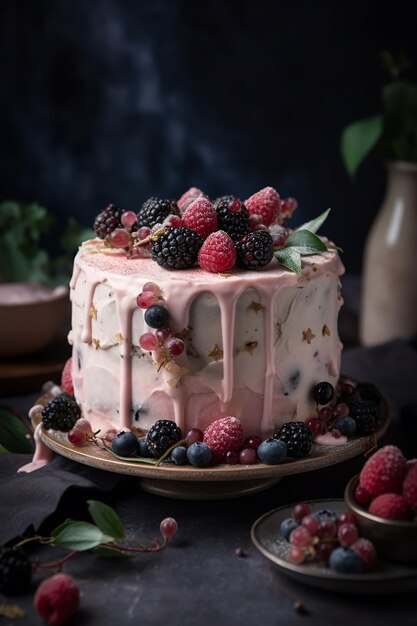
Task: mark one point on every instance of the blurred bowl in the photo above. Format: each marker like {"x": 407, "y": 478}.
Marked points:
{"x": 30, "y": 316}
{"x": 394, "y": 540}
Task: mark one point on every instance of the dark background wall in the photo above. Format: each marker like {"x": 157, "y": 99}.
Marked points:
{"x": 107, "y": 100}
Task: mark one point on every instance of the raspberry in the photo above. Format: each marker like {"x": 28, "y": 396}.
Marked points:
{"x": 254, "y": 250}
{"x": 66, "y": 378}
{"x": 201, "y": 217}
{"x": 409, "y": 490}
{"x": 390, "y": 506}
{"x": 154, "y": 211}
{"x": 298, "y": 437}
{"x": 265, "y": 203}
{"x": 15, "y": 571}
{"x": 232, "y": 217}
{"x": 191, "y": 194}
{"x": 218, "y": 253}
{"x": 177, "y": 248}
{"x": 384, "y": 472}
{"x": 108, "y": 220}
{"x": 57, "y": 599}
{"x": 61, "y": 413}
{"x": 161, "y": 436}
{"x": 222, "y": 435}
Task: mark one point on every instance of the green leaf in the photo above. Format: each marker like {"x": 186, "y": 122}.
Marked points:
{"x": 306, "y": 239}
{"x": 106, "y": 519}
{"x": 314, "y": 225}
{"x": 132, "y": 459}
{"x": 357, "y": 141}
{"x": 14, "y": 433}
{"x": 289, "y": 258}
{"x": 79, "y": 536}
{"x": 61, "y": 527}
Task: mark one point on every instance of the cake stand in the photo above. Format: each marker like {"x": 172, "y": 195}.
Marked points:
{"x": 211, "y": 483}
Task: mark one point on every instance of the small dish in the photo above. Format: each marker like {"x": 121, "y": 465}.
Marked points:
{"x": 30, "y": 316}
{"x": 385, "y": 578}
{"x": 395, "y": 540}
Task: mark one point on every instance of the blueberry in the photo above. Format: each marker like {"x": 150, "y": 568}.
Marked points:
{"x": 323, "y": 393}
{"x": 143, "y": 448}
{"x": 124, "y": 444}
{"x": 199, "y": 454}
{"x": 346, "y": 425}
{"x": 287, "y": 526}
{"x": 157, "y": 316}
{"x": 272, "y": 451}
{"x": 179, "y": 455}
{"x": 345, "y": 561}
{"x": 325, "y": 514}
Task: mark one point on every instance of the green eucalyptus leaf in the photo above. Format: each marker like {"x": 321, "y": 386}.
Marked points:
{"x": 132, "y": 459}
{"x": 14, "y": 433}
{"x": 314, "y": 225}
{"x": 106, "y": 519}
{"x": 61, "y": 527}
{"x": 306, "y": 239}
{"x": 289, "y": 258}
{"x": 358, "y": 139}
{"x": 80, "y": 536}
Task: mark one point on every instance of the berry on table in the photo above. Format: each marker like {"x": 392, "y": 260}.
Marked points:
{"x": 222, "y": 435}
{"x": 15, "y": 571}
{"x": 199, "y": 454}
{"x": 218, "y": 253}
{"x": 124, "y": 443}
{"x": 168, "y": 527}
{"x": 265, "y": 203}
{"x": 155, "y": 210}
{"x": 384, "y": 471}
{"x": 60, "y": 413}
{"x": 323, "y": 393}
{"x": 232, "y": 217}
{"x": 254, "y": 250}
{"x": 177, "y": 248}
{"x": 107, "y": 221}
{"x": 201, "y": 217}
{"x": 298, "y": 438}
{"x": 161, "y": 436}
{"x": 57, "y": 599}
{"x": 345, "y": 561}
{"x": 272, "y": 451}
{"x": 157, "y": 316}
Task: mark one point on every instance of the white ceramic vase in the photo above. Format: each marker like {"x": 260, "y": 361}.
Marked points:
{"x": 389, "y": 290}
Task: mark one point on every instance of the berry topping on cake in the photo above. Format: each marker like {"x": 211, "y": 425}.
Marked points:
{"x": 15, "y": 571}
{"x": 161, "y": 436}
{"x": 272, "y": 451}
{"x": 288, "y": 206}
{"x": 201, "y": 217}
{"x": 366, "y": 416}
{"x": 390, "y": 506}
{"x": 323, "y": 393}
{"x": 223, "y": 435}
{"x": 199, "y": 454}
{"x": 254, "y": 250}
{"x": 60, "y": 413}
{"x": 66, "y": 378}
{"x": 265, "y": 203}
{"x": 298, "y": 438}
{"x": 154, "y": 211}
{"x": 190, "y": 195}
{"x": 232, "y": 217}
{"x": 108, "y": 220}
{"x": 384, "y": 472}
{"x": 218, "y": 253}
{"x": 124, "y": 443}
{"x": 409, "y": 489}
{"x": 57, "y": 599}
{"x": 157, "y": 316}
{"x": 177, "y": 248}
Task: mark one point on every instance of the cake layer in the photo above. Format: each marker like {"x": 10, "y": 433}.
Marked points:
{"x": 257, "y": 342}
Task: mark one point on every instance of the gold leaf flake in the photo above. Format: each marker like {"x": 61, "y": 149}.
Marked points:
{"x": 225, "y": 275}
{"x": 96, "y": 343}
{"x": 216, "y": 353}
{"x": 325, "y": 330}
{"x": 308, "y": 335}
{"x": 256, "y": 306}
{"x": 11, "y": 611}
{"x": 119, "y": 338}
{"x": 175, "y": 382}
{"x": 251, "y": 346}
{"x": 93, "y": 312}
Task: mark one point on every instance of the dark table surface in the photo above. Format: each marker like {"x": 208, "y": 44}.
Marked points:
{"x": 200, "y": 578}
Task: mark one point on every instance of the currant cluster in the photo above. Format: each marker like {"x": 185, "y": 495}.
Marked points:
{"x": 326, "y": 537}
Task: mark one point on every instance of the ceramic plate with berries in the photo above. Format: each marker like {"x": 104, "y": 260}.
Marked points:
{"x": 319, "y": 543}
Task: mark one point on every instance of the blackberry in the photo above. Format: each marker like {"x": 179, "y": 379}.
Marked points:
{"x": 368, "y": 391}
{"x": 232, "y": 217}
{"x": 154, "y": 211}
{"x": 107, "y": 221}
{"x": 298, "y": 437}
{"x": 161, "y": 436}
{"x": 15, "y": 571}
{"x": 61, "y": 413}
{"x": 177, "y": 248}
{"x": 365, "y": 414}
{"x": 255, "y": 250}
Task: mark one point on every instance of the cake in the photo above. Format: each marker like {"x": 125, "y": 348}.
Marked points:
{"x": 256, "y": 341}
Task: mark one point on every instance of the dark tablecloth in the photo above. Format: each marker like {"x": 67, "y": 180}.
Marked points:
{"x": 198, "y": 578}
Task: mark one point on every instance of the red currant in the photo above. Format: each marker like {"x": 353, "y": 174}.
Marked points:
{"x": 300, "y": 511}
{"x": 248, "y": 456}
{"x": 120, "y": 238}
{"x": 326, "y": 414}
{"x": 148, "y": 341}
{"x": 314, "y": 424}
{"x": 175, "y": 346}
{"x": 311, "y": 523}
{"x": 128, "y": 218}
{"x": 194, "y": 435}
{"x": 327, "y": 529}
{"x": 366, "y": 550}
{"x": 146, "y": 299}
{"x": 252, "y": 442}
{"x": 346, "y": 518}
{"x": 77, "y": 437}
{"x": 232, "y": 457}
{"x": 301, "y": 537}
{"x": 347, "y": 534}
{"x": 296, "y": 555}
{"x": 341, "y": 409}
{"x": 168, "y": 527}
